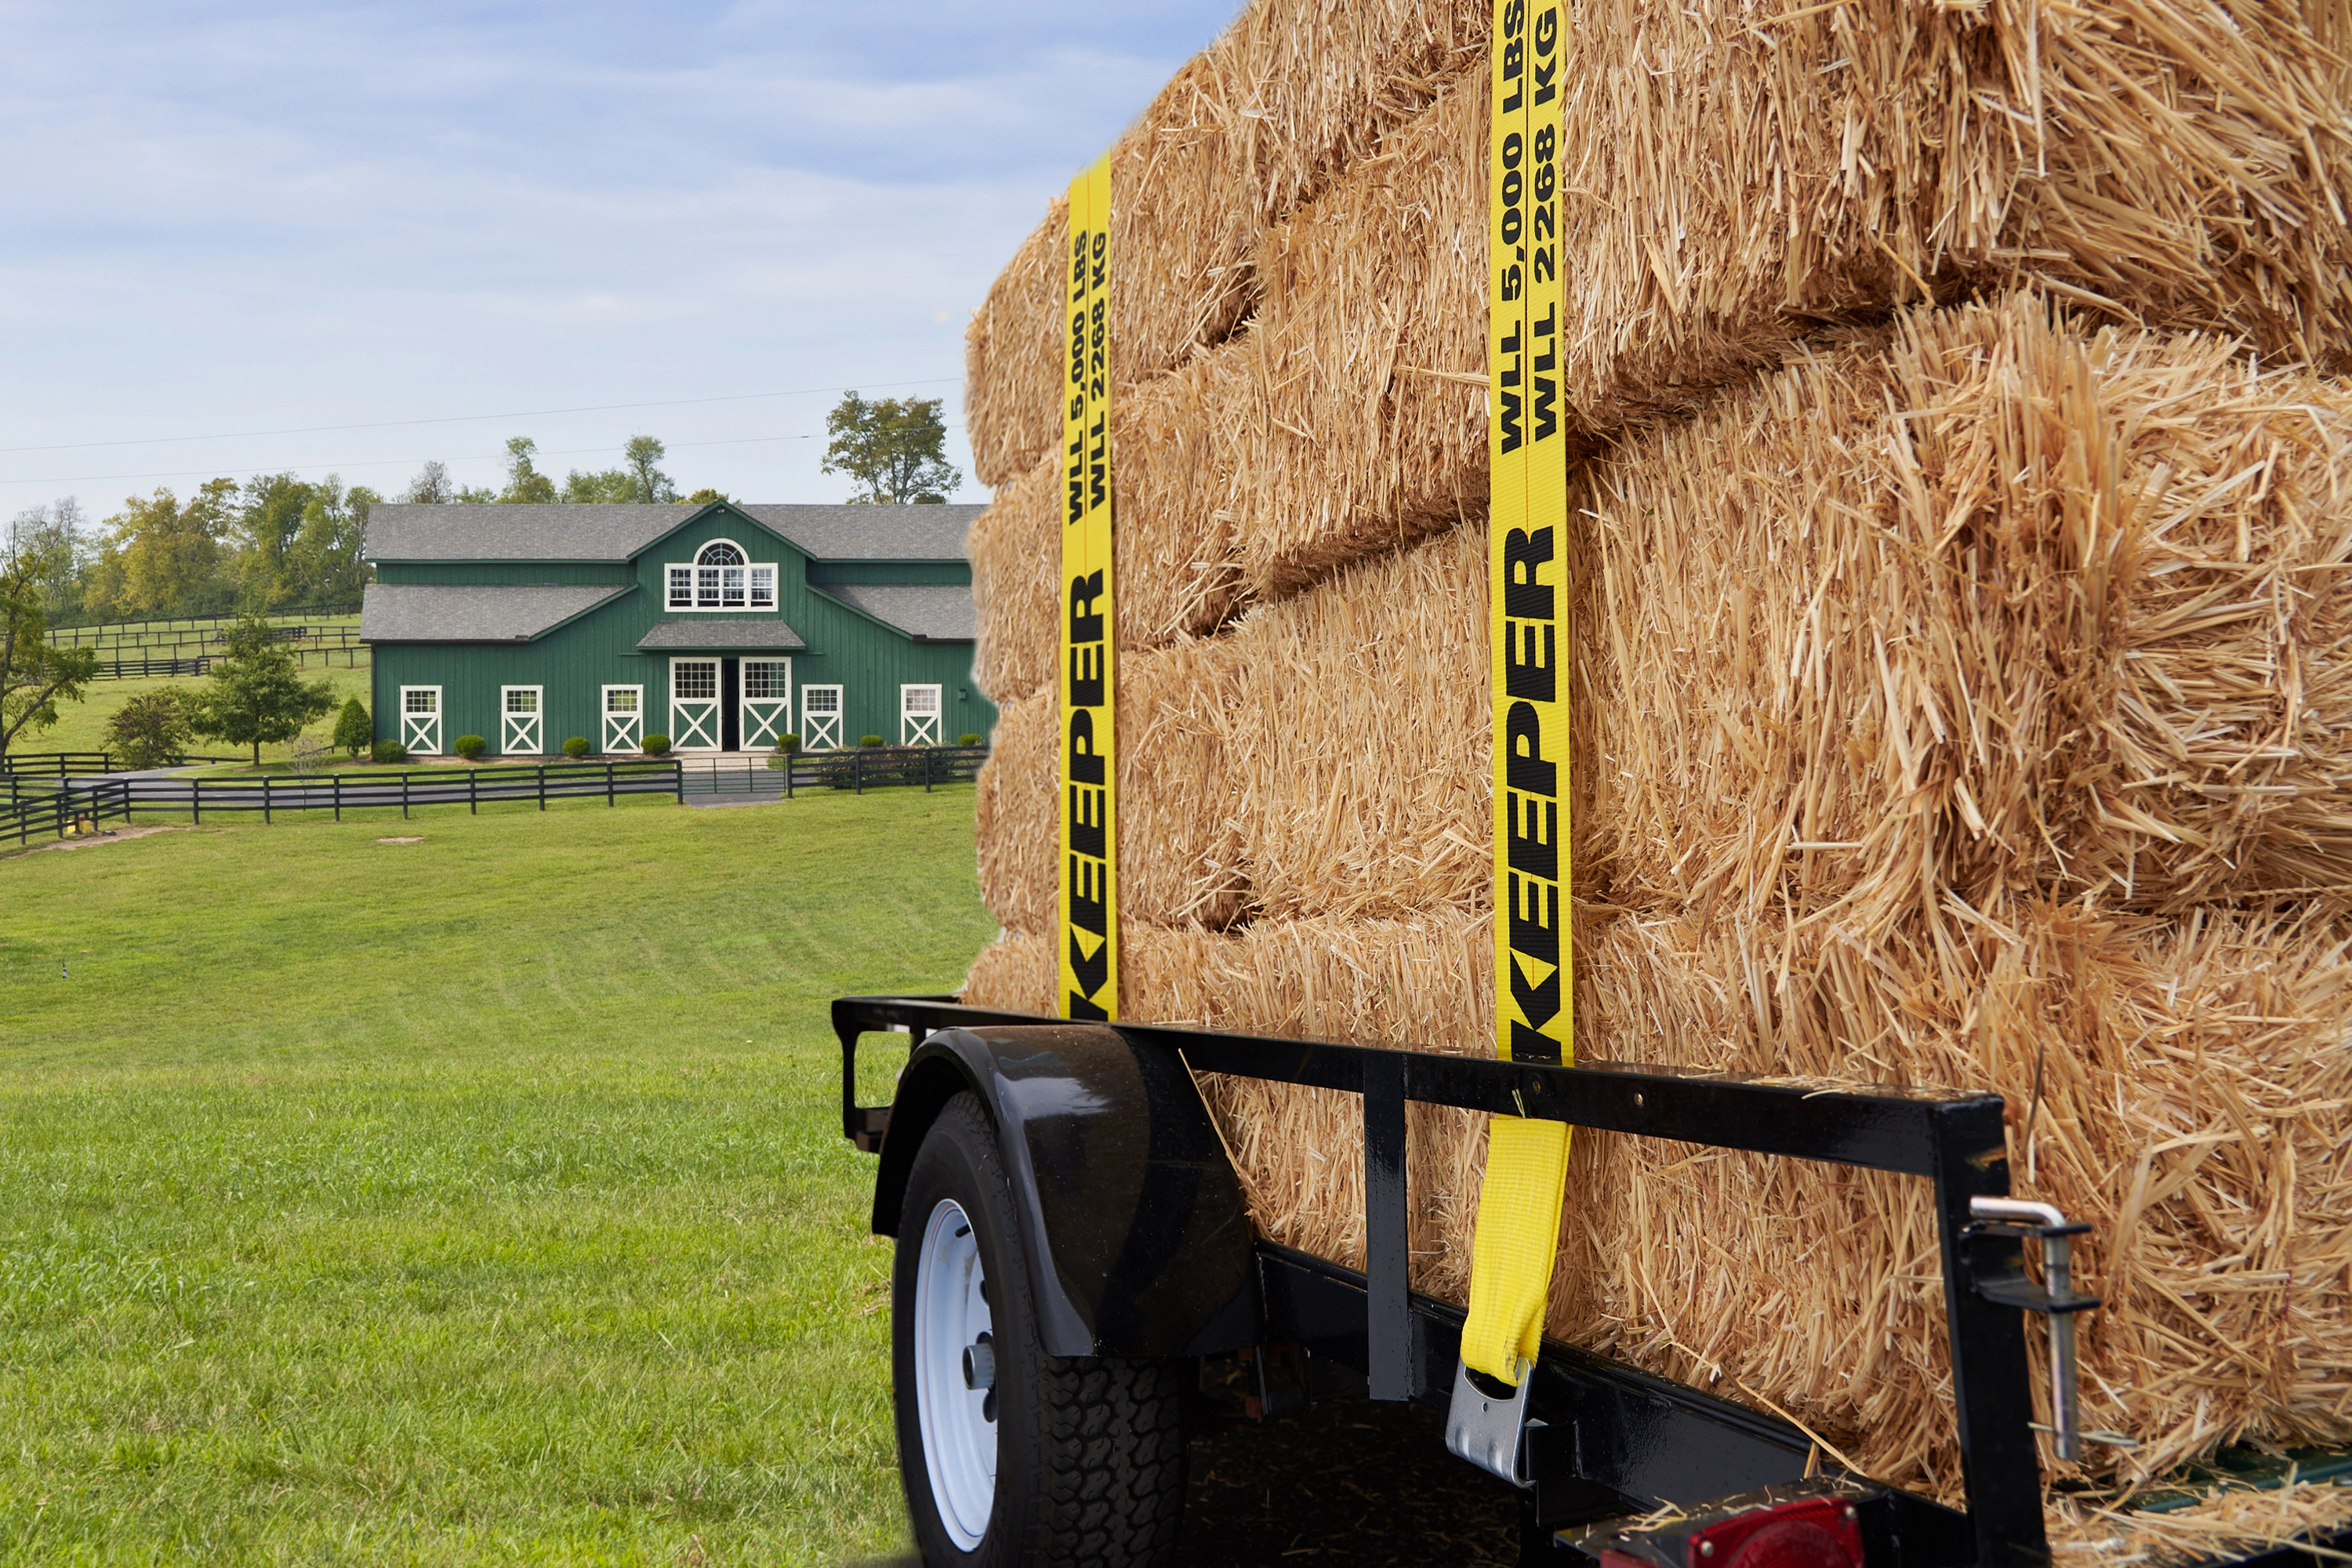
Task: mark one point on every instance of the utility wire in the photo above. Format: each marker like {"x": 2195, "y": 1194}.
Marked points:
{"x": 460, "y": 420}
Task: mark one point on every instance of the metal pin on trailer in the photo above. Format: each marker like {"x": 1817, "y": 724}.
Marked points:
{"x": 2002, "y": 1278}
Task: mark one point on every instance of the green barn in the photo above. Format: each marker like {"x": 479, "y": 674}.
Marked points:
{"x": 723, "y": 626}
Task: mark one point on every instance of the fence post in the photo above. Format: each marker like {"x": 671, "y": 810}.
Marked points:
{"x": 265, "y": 800}
{"x": 473, "y": 801}
{"x": 927, "y": 770}
{"x": 677, "y": 780}
{"x": 608, "y": 783}
{"x": 337, "y": 780}
{"x": 543, "y": 787}
{"x": 404, "y": 798}
{"x": 197, "y": 796}
{"x": 859, "y": 770}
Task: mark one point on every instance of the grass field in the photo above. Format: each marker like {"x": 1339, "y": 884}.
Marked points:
{"x": 82, "y": 726}
{"x": 475, "y": 1200}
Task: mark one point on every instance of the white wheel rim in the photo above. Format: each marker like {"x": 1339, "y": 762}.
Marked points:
{"x": 950, "y": 1314}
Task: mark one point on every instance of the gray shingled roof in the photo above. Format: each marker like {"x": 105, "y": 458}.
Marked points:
{"x": 425, "y": 612}
{"x": 721, "y": 634}
{"x": 400, "y": 530}
{"x": 936, "y": 612}
{"x": 873, "y": 533}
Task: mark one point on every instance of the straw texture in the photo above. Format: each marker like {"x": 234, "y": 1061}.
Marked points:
{"x": 1294, "y": 92}
{"x": 1015, "y": 550}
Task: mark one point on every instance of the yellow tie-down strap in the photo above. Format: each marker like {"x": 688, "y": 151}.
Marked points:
{"x": 1526, "y": 1160}
{"x": 1089, "y": 776}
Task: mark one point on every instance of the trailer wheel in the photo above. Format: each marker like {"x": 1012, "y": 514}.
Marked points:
{"x": 1011, "y": 1457}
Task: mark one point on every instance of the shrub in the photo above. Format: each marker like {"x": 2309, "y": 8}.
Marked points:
{"x": 353, "y": 729}
{"x": 869, "y": 740}
{"x": 656, "y": 746}
{"x": 150, "y": 730}
{"x": 471, "y": 747}
{"x": 576, "y": 747}
{"x": 967, "y": 738}
{"x": 789, "y": 744}
{"x": 388, "y": 751}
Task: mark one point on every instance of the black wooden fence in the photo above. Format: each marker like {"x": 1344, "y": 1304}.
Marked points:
{"x": 865, "y": 768}
{"x": 62, "y": 765}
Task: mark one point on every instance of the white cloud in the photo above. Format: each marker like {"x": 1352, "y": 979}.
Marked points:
{"x": 256, "y": 218}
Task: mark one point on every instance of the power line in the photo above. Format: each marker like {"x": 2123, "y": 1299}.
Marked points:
{"x": 453, "y": 419}
{"x": 404, "y": 462}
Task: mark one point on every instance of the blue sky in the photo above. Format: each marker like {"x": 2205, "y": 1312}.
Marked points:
{"x": 244, "y": 222}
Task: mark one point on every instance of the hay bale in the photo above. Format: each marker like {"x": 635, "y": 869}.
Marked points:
{"x": 2196, "y": 1101}
{"x": 1015, "y": 550}
{"x": 1291, "y": 94}
{"x": 1986, "y": 606}
{"x": 2001, "y": 605}
{"x": 1179, "y": 847}
{"x": 1727, "y": 187}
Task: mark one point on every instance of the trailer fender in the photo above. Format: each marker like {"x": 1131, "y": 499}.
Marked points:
{"x": 1138, "y": 1239}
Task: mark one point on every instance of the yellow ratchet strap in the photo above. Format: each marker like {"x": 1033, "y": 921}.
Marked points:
{"x": 1526, "y": 1160}
{"x": 1088, "y": 872}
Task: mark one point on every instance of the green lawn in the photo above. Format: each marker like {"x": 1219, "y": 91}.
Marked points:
{"x": 81, "y": 726}
{"x": 475, "y": 1200}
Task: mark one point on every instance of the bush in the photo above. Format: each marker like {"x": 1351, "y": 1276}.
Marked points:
{"x": 353, "y": 729}
{"x": 471, "y": 747}
{"x": 967, "y": 738}
{"x": 388, "y": 751}
{"x": 869, "y": 740}
{"x": 150, "y": 730}
{"x": 789, "y": 744}
{"x": 576, "y": 747}
{"x": 656, "y": 746}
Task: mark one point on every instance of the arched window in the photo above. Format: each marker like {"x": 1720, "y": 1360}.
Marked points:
{"x": 721, "y": 578}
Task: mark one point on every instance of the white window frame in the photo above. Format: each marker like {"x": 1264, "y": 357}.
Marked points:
{"x": 522, "y": 734}
{"x": 705, "y": 730}
{"x": 421, "y": 732}
{"x": 916, "y": 729}
{"x": 823, "y": 731}
{"x": 624, "y": 731}
{"x": 692, "y": 588}
{"x": 763, "y": 721}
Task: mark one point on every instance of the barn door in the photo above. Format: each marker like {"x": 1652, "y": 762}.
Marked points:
{"x": 521, "y": 724}
{"x": 919, "y": 715}
{"x": 625, "y": 715}
{"x": 694, "y": 705}
{"x": 821, "y": 711}
{"x": 420, "y": 718}
{"x": 767, "y": 702}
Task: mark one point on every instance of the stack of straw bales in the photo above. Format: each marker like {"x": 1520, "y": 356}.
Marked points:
{"x": 1963, "y": 692}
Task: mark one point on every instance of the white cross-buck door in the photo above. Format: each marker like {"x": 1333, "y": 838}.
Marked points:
{"x": 420, "y": 718}
{"x": 522, "y": 728}
{"x": 694, "y": 705}
{"x": 767, "y": 702}
{"x": 919, "y": 715}
{"x": 821, "y": 711}
{"x": 624, "y": 715}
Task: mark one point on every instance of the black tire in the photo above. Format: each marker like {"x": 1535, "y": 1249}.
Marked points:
{"x": 1090, "y": 1450}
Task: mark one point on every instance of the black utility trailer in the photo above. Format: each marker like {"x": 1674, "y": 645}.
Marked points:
{"x": 1074, "y": 1257}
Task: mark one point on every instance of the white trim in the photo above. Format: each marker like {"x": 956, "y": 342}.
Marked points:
{"x": 522, "y": 734}
{"x": 694, "y": 718}
{"x": 916, "y": 728}
{"x": 753, "y": 575}
{"x": 421, "y": 732}
{"x": 763, "y": 721}
{"x": 823, "y": 731}
{"x": 624, "y": 731}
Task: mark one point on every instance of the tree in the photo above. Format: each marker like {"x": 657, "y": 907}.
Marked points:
{"x": 170, "y": 555}
{"x": 151, "y": 731}
{"x": 56, "y": 536}
{"x": 639, "y": 479}
{"x": 895, "y": 448}
{"x": 705, "y": 496}
{"x": 526, "y": 485}
{"x": 354, "y": 731}
{"x": 431, "y": 487}
{"x": 322, "y": 564}
{"x": 33, "y": 676}
{"x": 257, "y": 693}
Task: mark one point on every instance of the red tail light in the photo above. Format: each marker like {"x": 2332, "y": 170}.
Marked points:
{"x": 1811, "y": 1533}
